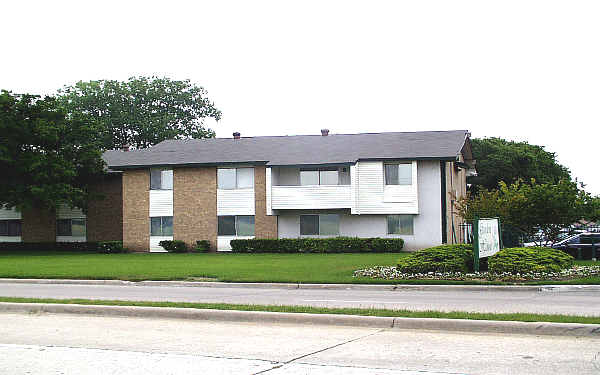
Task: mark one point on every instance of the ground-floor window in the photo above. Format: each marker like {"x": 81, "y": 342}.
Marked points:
{"x": 323, "y": 225}
{"x": 161, "y": 226}
{"x": 400, "y": 224}
{"x": 70, "y": 227}
{"x": 11, "y": 228}
{"x": 241, "y": 225}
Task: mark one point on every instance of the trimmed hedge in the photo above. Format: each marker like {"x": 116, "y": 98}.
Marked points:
{"x": 49, "y": 246}
{"x": 444, "y": 258}
{"x": 174, "y": 246}
{"x": 202, "y": 246}
{"x": 529, "y": 259}
{"x": 317, "y": 245}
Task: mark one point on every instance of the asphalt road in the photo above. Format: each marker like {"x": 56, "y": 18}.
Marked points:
{"x": 76, "y": 344}
{"x": 454, "y": 299}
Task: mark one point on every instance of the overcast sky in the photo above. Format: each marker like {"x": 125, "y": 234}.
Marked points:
{"x": 522, "y": 70}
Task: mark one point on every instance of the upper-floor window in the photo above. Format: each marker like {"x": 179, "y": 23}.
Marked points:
{"x": 400, "y": 224}
{"x": 161, "y": 226}
{"x": 325, "y": 176}
{"x": 398, "y": 174}
{"x": 11, "y": 228}
{"x": 70, "y": 227}
{"x": 161, "y": 179}
{"x": 242, "y": 225}
{"x": 235, "y": 178}
{"x": 323, "y": 225}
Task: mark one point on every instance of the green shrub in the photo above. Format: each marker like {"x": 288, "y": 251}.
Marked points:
{"x": 202, "y": 246}
{"x": 317, "y": 245}
{"x": 444, "y": 258}
{"x": 174, "y": 246}
{"x": 111, "y": 247}
{"x": 529, "y": 259}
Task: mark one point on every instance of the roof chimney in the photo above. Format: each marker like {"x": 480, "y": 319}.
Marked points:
{"x": 236, "y": 135}
{"x": 324, "y": 132}
{"x": 125, "y": 147}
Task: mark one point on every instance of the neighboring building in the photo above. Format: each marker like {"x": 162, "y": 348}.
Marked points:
{"x": 366, "y": 185}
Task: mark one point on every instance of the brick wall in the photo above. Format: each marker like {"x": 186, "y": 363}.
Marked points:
{"x": 105, "y": 214}
{"x": 38, "y": 225}
{"x": 264, "y": 226}
{"x": 195, "y": 205}
{"x": 136, "y": 209}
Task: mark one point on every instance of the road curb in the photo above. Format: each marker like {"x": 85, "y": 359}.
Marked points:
{"x": 430, "y": 324}
{"x": 216, "y": 284}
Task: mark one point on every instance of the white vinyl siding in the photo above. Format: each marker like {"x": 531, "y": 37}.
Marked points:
{"x": 373, "y": 196}
{"x": 9, "y": 214}
{"x": 161, "y": 203}
{"x": 235, "y": 202}
{"x": 235, "y": 193}
{"x": 311, "y": 197}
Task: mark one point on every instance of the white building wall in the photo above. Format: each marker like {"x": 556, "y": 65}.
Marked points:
{"x": 311, "y": 197}
{"x": 154, "y": 243}
{"x": 235, "y": 202}
{"x": 161, "y": 203}
{"x": 427, "y": 224}
{"x": 374, "y": 197}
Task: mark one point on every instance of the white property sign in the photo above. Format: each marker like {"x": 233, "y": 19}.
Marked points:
{"x": 488, "y": 237}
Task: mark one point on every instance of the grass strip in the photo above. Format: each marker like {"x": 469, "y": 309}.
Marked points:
{"x": 519, "y": 317}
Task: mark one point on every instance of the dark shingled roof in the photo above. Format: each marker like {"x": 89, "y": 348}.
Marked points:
{"x": 295, "y": 150}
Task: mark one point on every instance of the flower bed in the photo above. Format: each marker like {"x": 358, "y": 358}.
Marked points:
{"x": 392, "y": 273}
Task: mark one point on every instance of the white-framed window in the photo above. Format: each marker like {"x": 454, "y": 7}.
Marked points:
{"x": 161, "y": 179}
{"x": 325, "y": 176}
{"x": 10, "y": 228}
{"x": 400, "y": 224}
{"x": 240, "y": 225}
{"x": 70, "y": 227}
{"x": 161, "y": 226}
{"x": 398, "y": 173}
{"x": 235, "y": 178}
{"x": 320, "y": 225}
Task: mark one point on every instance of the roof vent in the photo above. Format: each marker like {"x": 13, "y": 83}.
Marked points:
{"x": 236, "y": 135}
{"x": 324, "y": 132}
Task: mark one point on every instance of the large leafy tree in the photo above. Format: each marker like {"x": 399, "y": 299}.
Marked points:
{"x": 46, "y": 157}
{"x": 530, "y": 207}
{"x": 141, "y": 111}
{"x": 508, "y": 161}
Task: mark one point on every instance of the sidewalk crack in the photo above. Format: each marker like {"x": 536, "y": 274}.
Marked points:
{"x": 281, "y": 364}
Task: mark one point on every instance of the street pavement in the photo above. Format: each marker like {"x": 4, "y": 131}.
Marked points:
{"x": 581, "y": 302}
{"x": 77, "y": 344}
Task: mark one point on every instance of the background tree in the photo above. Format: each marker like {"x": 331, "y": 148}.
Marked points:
{"x": 141, "y": 111}
{"x": 530, "y": 207}
{"x": 502, "y": 160}
{"x": 46, "y": 158}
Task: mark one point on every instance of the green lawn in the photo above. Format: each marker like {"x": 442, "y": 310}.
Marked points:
{"x": 301, "y": 268}
{"x": 304, "y": 268}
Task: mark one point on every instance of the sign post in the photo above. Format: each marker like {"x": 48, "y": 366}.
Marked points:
{"x": 487, "y": 239}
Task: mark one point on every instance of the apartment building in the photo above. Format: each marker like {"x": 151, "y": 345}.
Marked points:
{"x": 367, "y": 185}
